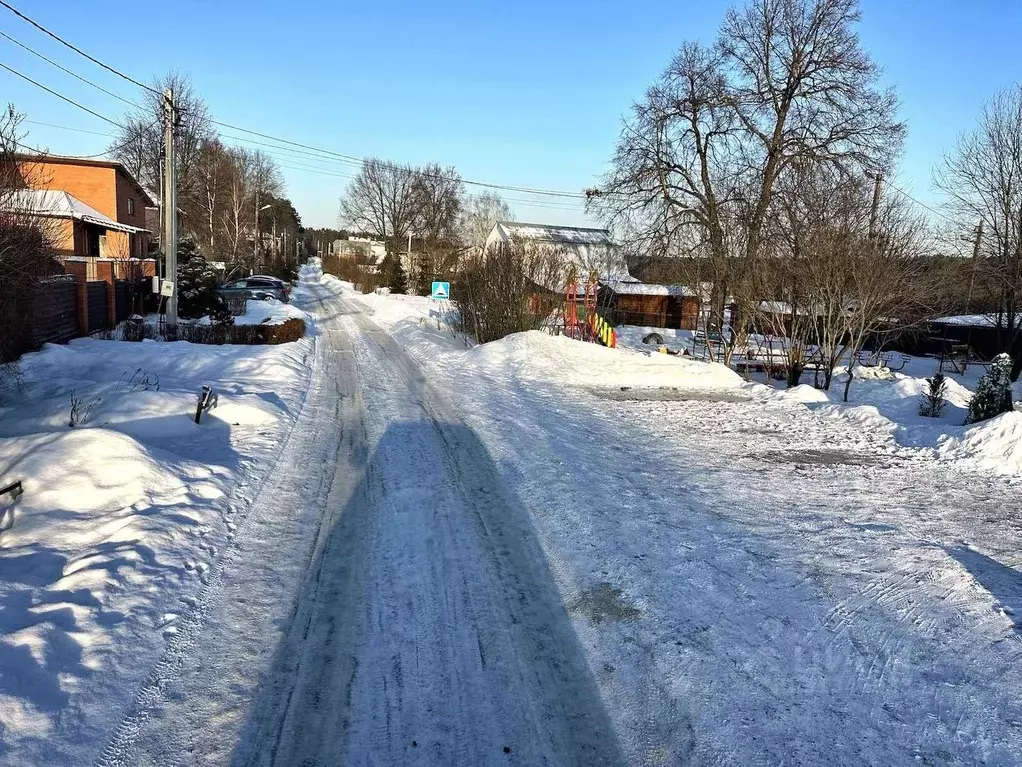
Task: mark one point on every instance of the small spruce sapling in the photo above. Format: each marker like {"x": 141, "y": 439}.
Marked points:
{"x": 993, "y": 393}
{"x": 933, "y": 401}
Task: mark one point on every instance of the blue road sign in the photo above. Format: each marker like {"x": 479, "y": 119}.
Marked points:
{"x": 441, "y": 291}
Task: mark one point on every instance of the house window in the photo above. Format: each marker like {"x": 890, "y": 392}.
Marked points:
{"x": 131, "y": 206}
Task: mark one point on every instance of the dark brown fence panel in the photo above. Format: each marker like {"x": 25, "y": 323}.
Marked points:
{"x": 122, "y": 300}
{"x": 98, "y": 317}
{"x": 54, "y": 313}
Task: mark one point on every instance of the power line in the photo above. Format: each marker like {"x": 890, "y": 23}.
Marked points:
{"x": 58, "y": 95}
{"x": 348, "y": 158}
{"x": 360, "y": 160}
{"x": 68, "y": 71}
{"x": 79, "y": 51}
{"x": 104, "y": 153}
{"x": 921, "y": 204}
{"x": 68, "y": 127}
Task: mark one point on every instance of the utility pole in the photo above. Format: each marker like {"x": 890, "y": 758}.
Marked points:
{"x": 874, "y": 209}
{"x": 255, "y": 238}
{"x": 170, "y": 201}
{"x": 972, "y": 269}
{"x": 979, "y": 241}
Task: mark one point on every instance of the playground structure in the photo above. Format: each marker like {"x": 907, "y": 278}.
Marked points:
{"x": 582, "y": 321}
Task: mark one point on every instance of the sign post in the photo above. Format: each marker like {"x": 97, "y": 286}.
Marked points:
{"x": 441, "y": 291}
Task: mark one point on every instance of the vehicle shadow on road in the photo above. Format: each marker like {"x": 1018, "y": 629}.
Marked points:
{"x": 1004, "y": 583}
{"x": 429, "y": 629}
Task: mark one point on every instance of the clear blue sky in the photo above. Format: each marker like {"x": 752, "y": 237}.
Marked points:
{"x": 526, "y": 93}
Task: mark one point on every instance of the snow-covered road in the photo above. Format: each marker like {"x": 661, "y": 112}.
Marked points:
{"x": 516, "y": 554}
{"x": 386, "y": 600}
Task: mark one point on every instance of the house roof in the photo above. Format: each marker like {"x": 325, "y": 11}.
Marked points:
{"x": 55, "y": 203}
{"x": 562, "y": 235}
{"x": 149, "y": 199}
{"x": 968, "y": 320}
{"x": 628, "y": 288}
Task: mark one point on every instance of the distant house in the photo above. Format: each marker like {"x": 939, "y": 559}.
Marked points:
{"x": 639, "y": 303}
{"x": 102, "y": 205}
{"x": 588, "y": 251}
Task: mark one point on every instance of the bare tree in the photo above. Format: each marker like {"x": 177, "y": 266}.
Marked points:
{"x": 479, "y": 214}
{"x": 212, "y": 175}
{"x": 982, "y": 177}
{"x": 865, "y": 276}
{"x": 139, "y": 145}
{"x": 26, "y": 238}
{"x": 439, "y": 195}
{"x": 803, "y": 89}
{"x": 697, "y": 164}
{"x": 381, "y": 200}
{"x": 501, "y": 291}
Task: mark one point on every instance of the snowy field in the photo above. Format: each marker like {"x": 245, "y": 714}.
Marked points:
{"x": 751, "y": 576}
{"x": 759, "y": 577}
{"x": 121, "y": 520}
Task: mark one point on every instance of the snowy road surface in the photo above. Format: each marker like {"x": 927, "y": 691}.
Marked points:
{"x": 425, "y": 625}
{"x": 462, "y": 552}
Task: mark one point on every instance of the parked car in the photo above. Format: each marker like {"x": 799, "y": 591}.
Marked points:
{"x": 258, "y": 287}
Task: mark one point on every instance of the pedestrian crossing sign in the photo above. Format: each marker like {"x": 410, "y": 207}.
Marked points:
{"x": 441, "y": 291}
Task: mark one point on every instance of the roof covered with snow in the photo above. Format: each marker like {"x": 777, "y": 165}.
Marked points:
{"x": 968, "y": 320}
{"x": 636, "y": 288}
{"x": 560, "y": 235}
{"x": 55, "y": 203}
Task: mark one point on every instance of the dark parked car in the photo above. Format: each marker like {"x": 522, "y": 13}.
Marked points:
{"x": 258, "y": 287}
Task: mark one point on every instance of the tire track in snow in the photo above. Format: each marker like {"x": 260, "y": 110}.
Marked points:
{"x": 193, "y": 693}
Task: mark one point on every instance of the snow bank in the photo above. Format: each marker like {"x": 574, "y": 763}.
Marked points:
{"x": 556, "y": 359}
{"x": 269, "y": 312}
{"x": 120, "y": 520}
{"x": 994, "y": 445}
{"x": 803, "y": 393}
{"x": 630, "y": 337}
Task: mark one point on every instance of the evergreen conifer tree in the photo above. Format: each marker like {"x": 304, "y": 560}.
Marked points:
{"x": 993, "y": 393}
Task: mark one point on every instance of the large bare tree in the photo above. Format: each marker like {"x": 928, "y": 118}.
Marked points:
{"x": 696, "y": 166}
{"x": 982, "y": 178}
{"x": 439, "y": 198}
{"x": 381, "y": 200}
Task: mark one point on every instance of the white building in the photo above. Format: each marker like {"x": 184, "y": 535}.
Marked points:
{"x": 587, "y": 250}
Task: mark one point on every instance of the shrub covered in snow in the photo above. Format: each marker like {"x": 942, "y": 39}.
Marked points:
{"x": 993, "y": 393}
{"x": 933, "y": 400}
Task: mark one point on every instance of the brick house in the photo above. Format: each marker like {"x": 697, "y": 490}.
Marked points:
{"x": 107, "y": 205}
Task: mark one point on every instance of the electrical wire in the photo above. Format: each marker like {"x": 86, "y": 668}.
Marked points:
{"x": 58, "y": 95}
{"x": 105, "y": 153}
{"x": 77, "y": 50}
{"x": 360, "y": 160}
{"x": 921, "y": 204}
{"x": 68, "y": 127}
{"x": 68, "y": 71}
{"x": 316, "y": 151}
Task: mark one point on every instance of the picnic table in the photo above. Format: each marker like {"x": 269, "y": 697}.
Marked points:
{"x": 893, "y": 361}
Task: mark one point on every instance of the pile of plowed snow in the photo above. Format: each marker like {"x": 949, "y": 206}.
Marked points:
{"x": 557, "y": 359}
{"x": 995, "y": 445}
